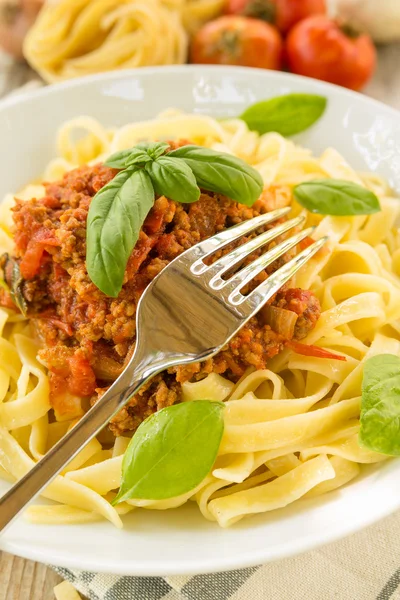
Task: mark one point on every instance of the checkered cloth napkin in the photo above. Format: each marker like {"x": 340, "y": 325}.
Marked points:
{"x": 364, "y": 566}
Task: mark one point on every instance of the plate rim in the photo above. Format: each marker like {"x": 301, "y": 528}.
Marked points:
{"x": 251, "y": 558}
{"x": 21, "y": 97}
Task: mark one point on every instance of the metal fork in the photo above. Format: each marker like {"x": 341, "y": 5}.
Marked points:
{"x": 187, "y": 314}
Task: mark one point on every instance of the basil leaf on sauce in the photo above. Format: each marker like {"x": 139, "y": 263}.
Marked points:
{"x": 336, "y": 197}
{"x": 172, "y": 451}
{"x": 115, "y": 217}
{"x": 173, "y": 178}
{"x": 222, "y": 173}
{"x": 118, "y": 210}
{"x": 287, "y": 115}
{"x": 119, "y": 160}
{"x": 154, "y": 149}
{"x": 139, "y": 155}
{"x": 380, "y": 405}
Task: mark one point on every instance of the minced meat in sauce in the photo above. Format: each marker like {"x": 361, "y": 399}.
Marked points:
{"x": 88, "y": 337}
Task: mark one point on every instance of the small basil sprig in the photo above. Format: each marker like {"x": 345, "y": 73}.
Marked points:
{"x": 139, "y": 155}
{"x": 380, "y": 405}
{"x": 336, "y": 197}
{"x": 115, "y": 216}
{"x": 222, "y": 173}
{"x": 118, "y": 210}
{"x": 172, "y": 451}
{"x": 287, "y": 115}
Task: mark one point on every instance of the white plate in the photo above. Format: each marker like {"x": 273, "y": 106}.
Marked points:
{"x": 367, "y": 133}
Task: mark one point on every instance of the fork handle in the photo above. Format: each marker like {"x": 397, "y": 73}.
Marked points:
{"x": 15, "y": 500}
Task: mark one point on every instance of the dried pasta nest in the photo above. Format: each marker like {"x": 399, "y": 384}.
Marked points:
{"x": 80, "y": 37}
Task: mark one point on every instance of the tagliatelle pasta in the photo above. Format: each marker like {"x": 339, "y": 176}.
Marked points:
{"x": 65, "y": 591}
{"x": 71, "y": 39}
{"x": 291, "y": 431}
{"x": 196, "y": 12}
{"x": 74, "y": 38}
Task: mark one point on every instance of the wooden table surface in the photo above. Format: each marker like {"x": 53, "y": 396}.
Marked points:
{"x": 24, "y": 580}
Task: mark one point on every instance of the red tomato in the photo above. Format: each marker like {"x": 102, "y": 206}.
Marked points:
{"x": 82, "y": 380}
{"x": 32, "y": 259}
{"x": 321, "y": 48}
{"x": 282, "y": 13}
{"x": 241, "y": 41}
{"x": 290, "y": 12}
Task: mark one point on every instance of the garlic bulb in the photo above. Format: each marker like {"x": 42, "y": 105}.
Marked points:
{"x": 380, "y": 18}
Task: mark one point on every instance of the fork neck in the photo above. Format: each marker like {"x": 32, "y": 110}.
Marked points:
{"x": 143, "y": 365}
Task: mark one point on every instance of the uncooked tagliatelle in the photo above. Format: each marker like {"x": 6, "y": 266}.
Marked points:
{"x": 196, "y": 12}
{"x": 72, "y": 38}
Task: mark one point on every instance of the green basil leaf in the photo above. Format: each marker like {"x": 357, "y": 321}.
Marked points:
{"x": 125, "y": 158}
{"x": 173, "y": 178}
{"x": 222, "y": 173}
{"x": 380, "y": 405}
{"x": 172, "y": 451}
{"x": 138, "y": 155}
{"x": 154, "y": 149}
{"x": 115, "y": 217}
{"x": 286, "y": 115}
{"x": 336, "y": 197}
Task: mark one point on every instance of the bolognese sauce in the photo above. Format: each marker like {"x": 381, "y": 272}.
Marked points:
{"x": 87, "y": 338}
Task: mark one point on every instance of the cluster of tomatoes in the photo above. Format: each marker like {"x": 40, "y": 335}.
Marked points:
{"x": 294, "y": 34}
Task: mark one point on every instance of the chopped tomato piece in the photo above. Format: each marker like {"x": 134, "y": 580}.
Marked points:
{"x": 46, "y": 237}
{"x": 66, "y": 405}
{"x": 140, "y": 253}
{"x": 30, "y": 264}
{"x": 6, "y": 300}
{"x": 51, "y": 202}
{"x": 82, "y": 380}
{"x": 306, "y": 243}
{"x": 316, "y": 351}
{"x": 154, "y": 221}
{"x": 65, "y": 327}
{"x": 33, "y": 257}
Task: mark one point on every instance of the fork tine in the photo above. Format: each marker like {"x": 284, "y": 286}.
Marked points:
{"x": 233, "y": 286}
{"x": 222, "y": 239}
{"x": 217, "y": 269}
{"x": 258, "y": 297}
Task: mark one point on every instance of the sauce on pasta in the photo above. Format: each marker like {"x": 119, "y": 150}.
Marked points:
{"x": 291, "y": 427}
